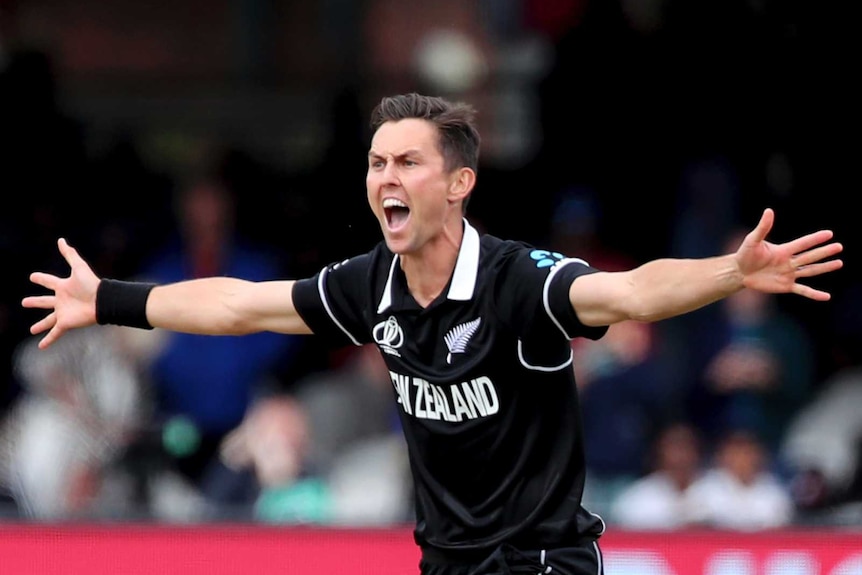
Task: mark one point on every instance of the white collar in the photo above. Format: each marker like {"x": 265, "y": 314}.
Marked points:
{"x": 464, "y": 277}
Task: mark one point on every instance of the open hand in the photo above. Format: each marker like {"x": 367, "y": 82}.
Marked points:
{"x": 777, "y": 268}
{"x": 73, "y": 302}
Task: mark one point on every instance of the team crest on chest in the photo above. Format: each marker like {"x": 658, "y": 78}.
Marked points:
{"x": 457, "y": 338}
{"x": 389, "y": 336}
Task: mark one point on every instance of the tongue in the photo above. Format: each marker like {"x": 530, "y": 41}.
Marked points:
{"x": 399, "y": 216}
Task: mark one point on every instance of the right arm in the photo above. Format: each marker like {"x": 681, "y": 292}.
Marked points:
{"x": 225, "y": 306}
{"x": 213, "y": 306}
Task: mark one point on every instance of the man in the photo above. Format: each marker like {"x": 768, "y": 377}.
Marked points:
{"x": 476, "y": 333}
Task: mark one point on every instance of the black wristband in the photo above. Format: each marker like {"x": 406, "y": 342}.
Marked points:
{"x": 123, "y": 303}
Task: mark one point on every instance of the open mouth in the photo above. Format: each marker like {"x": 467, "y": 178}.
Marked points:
{"x": 397, "y": 213}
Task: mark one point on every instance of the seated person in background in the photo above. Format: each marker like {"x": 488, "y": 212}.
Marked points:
{"x": 738, "y": 491}
{"x": 81, "y": 405}
{"x": 356, "y": 441}
{"x": 626, "y": 390}
{"x": 752, "y": 367}
{"x": 823, "y": 448}
{"x": 330, "y": 453}
{"x": 204, "y": 385}
{"x": 272, "y": 443}
{"x": 663, "y": 499}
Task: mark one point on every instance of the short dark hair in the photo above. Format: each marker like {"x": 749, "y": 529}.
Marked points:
{"x": 455, "y": 121}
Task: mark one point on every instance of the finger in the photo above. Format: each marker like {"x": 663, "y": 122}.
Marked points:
{"x": 808, "y": 241}
{"x": 52, "y": 336}
{"x": 45, "y": 280}
{"x": 811, "y": 293}
{"x": 764, "y": 226}
{"x": 69, "y": 253}
{"x": 817, "y": 254}
{"x": 38, "y": 302}
{"x": 820, "y": 268}
{"x": 46, "y": 323}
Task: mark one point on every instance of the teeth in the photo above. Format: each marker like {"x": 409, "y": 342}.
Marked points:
{"x": 393, "y": 203}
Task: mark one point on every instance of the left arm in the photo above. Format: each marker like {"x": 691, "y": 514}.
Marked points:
{"x": 666, "y": 288}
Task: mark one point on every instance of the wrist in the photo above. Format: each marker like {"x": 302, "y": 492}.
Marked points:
{"x": 733, "y": 274}
{"x": 123, "y": 303}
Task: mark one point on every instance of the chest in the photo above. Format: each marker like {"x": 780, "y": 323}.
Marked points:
{"x": 445, "y": 341}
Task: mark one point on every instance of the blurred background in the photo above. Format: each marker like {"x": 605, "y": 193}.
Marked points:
{"x": 170, "y": 140}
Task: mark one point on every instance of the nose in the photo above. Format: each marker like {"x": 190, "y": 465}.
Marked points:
{"x": 389, "y": 172}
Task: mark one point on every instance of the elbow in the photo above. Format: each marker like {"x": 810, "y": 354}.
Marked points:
{"x": 646, "y": 317}
{"x": 231, "y": 322}
{"x": 237, "y": 316}
{"x": 237, "y": 325}
{"x": 638, "y": 309}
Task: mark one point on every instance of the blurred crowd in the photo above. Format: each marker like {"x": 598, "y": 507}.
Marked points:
{"x": 750, "y": 408}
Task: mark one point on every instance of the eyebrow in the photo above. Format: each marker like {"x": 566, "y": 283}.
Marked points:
{"x": 405, "y": 153}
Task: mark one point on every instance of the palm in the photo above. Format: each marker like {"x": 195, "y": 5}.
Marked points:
{"x": 776, "y": 268}
{"x": 72, "y": 303}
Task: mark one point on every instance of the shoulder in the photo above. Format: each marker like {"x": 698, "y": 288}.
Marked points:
{"x": 500, "y": 255}
{"x": 378, "y": 257}
{"x": 493, "y": 245}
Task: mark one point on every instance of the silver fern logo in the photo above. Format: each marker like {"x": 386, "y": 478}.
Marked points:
{"x": 458, "y": 337}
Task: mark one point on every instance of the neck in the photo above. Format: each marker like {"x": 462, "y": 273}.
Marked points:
{"x": 428, "y": 270}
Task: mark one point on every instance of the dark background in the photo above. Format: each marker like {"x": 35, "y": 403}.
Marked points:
{"x": 658, "y": 108}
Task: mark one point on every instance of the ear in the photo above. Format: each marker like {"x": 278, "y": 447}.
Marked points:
{"x": 461, "y": 184}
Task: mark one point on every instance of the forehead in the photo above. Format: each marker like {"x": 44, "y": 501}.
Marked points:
{"x": 405, "y": 135}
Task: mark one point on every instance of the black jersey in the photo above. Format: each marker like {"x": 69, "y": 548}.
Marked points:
{"x": 484, "y": 383}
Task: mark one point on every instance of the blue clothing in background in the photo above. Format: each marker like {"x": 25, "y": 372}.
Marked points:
{"x": 212, "y": 380}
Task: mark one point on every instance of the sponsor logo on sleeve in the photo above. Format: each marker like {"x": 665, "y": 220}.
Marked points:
{"x": 546, "y": 259}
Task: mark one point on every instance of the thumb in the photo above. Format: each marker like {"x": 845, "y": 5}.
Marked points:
{"x": 764, "y": 226}
{"x": 70, "y": 254}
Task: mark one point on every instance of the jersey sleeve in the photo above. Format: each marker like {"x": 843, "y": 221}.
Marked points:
{"x": 533, "y": 290}
{"x": 333, "y": 302}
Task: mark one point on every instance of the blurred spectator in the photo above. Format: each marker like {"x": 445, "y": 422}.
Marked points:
{"x": 329, "y": 453}
{"x": 123, "y": 233}
{"x": 203, "y": 386}
{"x": 664, "y": 499}
{"x": 348, "y": 403}
{"x": 624, "y": 382}
{"x": 752, "y": 366}
{"x": 43, "y": 157}
{"x": 272, "y": 442}
{"x": 738, "y": 491}
{"x": 823, "y": 447}
{"x": 356, "y": 440}
{"x": 82, "y": 404}
{"x": 626, "y": 392}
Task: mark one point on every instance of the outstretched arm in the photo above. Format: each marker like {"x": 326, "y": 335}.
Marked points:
{"x": 669, "y": 287}
{"x": 213, "y": 306}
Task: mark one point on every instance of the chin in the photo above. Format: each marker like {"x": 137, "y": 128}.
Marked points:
{"x": 398, "y": 246}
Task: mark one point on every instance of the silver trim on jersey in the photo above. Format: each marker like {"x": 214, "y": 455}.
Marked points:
{"x": 557, "y": 267}
{"x": 463, "y": 278}
{"x": 541, "y": 367}
{"x": 467, "y": 266}
{"x": 322, "y": 293}
{"x": 542, "y": 558}
{"x": 599, "y": 558}
{"x": 386, "y": 300}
